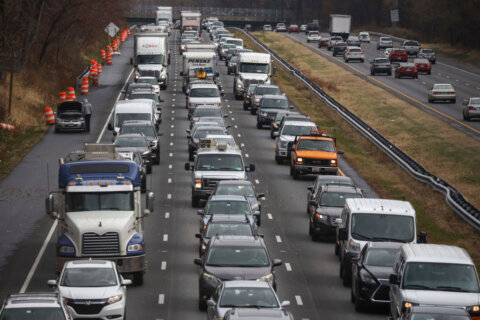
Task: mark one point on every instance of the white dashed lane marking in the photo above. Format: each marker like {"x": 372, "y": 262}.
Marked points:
{"x": 169, "y": 180}
{"x": 270, "y": 217}
{"x": 165, "y": 237}
{"x": 288, "y": 266}
{"x": 299, "y": 300}
{"x": 256, "y": 181}
{"x": 279, "y": 240}
{"x": 167, "y": 215}
{"x": 170, "y": 154}
{"x": 246, "y": 155}
{"x": 169, "y": 196}
{"x": 161, "y": 298}
{"x": 164, "y": 265}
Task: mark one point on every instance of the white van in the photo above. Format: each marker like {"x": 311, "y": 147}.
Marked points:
{"x": 364, "y": 220}
{"x": 434, "y": 274}
{"x": 236, "y": 41}
{"x": 138, "y": 109}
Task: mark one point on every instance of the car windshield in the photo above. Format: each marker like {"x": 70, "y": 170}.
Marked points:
{"x": 229, "y": 229}
{"x": 227, "y": 207}
{"x": 248, "y": 298}
{"x": 367, "y": 226}
{"x": 88, "y": 277}
{"x": 219, "y": 162}
{"x": 254, "y": 67}
{"x": 121, "y": 117}
{"x": 268, "y": 103}
{"x": 203, "y": 132}
{"x": 382, "y": 60}
{"x": 34, "y": 313}
{"x": 204, "y": 92}
{"x": 235, "y": 190}
{"x": 237, "y": 257}
{"x": 336, "y": 199}
{"x": 267, "y": 90}
{"x": 440, "y": 277}
{"x": 380, "y": 257}
{"x": 134, "y": 142}
{"x": 95, "y": 201}
{"x": 152, "y": 81}
{"x": 294, "y": 130}
{"x": 150, "y": 59}
{"x": 207, "y": 112}
{"x": 316, "y": 145}
{"x": 152, "y": 96}
{"x": 145, "y": 130}
{"x": 443, "y": 87}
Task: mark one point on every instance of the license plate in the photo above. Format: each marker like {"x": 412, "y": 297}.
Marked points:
{"x": 315, "y": 169}
{"x": 408, "y": 69}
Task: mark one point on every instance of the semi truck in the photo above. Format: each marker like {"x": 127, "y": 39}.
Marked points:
{"x": 252, "y": 68}
{"x": 340, "y": 25}
{"x": 198, "y": 65}
{"x": 191, "y": 21}
{"x": 98, "y": 206}
{"x": 151, "y": 56}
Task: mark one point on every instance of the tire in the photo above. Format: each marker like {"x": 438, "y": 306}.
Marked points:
{"x": 430, "y": 100}
{"x": 57, "y": 130}
{"x": 149, "y": 169}
{"x": 359, "y": 305}
{"x": 238, "y": 97}
{"x": 259, "y": 125}
{"x": 429, "y": 72}
{"x": 310, "y": 229}
{"x": 195, "y": 201}
{"x": 278, "y": 160}
{"x": 157, "y": 159}
{"x": 337, "y": 249}
{"x": 138, "y": 278}
{"x": 271, "y": 134}
{"x": 454, "y": 100}
{"x": 372, "y": 73}
{"x": 190, "y": 156}
{"x": 259, "y": 221}
{"x": 143, "y": 187}
{"x": 389, "y": 73}
{"x": 352, "y": 296}
{"x": 294, "y": 173}
{"x": 245, "y": 107}
{"x": 202, "y": 305}
{"x": 253, "y": 111}
{"x": 347, "y": 278}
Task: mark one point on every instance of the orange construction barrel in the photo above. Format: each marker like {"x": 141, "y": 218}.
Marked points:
{"x": 7, "y": 127}
{"x": 49, "y": 116}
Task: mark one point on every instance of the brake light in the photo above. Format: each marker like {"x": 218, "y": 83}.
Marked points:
{"x": 348, "y": 53}
{"x": 436, "y": 92}
{"x": 361, "y": 52}
{"x": 451, "y": 92}
{"x": 471, "y": 108}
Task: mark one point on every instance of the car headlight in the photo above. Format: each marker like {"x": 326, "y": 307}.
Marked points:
{"x": 204, "y": 248}
{"x": 407, "y": 304}
{"x": 136, "y": 245}
{"x": 115, "y": 299}
{"x": 257, "y": 99}
{"x": 321, "y": 216}
{"x": 367, "y": 278}
{"x": 239, "y": 85}
{"x": 65, "y": 247}
{"x": 153, "y": 143}
{"x": 333, "y": 161}
{"x": 163, "y": 75}
{"x": 354, "y": 246}
{"x": 210, "y": 277}
{"x": 300, "y": 160}
{"x": 263, "y": 114}
{"x": 198, "y": 183}
{"x": 473, "y": 310}
{"x": 267, "y": 278}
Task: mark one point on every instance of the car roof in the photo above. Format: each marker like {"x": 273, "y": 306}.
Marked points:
{"x": 341, "y": 188}
{"x": 439, "y": 309}
{"x": 274, "y": 96}
{"x": 235, "y": 182}
{"x": 245, "y": 284}
{"x": 203, "y": 85}
{"x": 380, "y": 206}
{"x": 300, "y": 123}
{"x": 227, "y": 198}
{"x": 32, "y": 300}
{"x": 88, "y": 264}
{"x": 436, "y": 253}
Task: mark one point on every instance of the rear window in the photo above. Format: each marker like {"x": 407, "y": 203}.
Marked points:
{"x": 385, "y": 39}
{"x": 355, "y": 50}
{"x": 314, "y": 33}
{"x": 399, "y": 51}
{"x": 421, "y": 61}
{"x": 411, "y": 43}
{"x": 383, "y": 60}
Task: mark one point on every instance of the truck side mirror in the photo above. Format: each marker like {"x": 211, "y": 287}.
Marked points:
{"x": 52, "y": 283}
{"x": 217, "y": 74}
{"x": 274, "y": 70}
{"x": 312, "y": 203}
{"x": 250, "y": 168}
{"x": 290, "y": 146}
{"x": 149, "y": 203}
{"x": 222, "y": 93}
{"x": 110, "y": 127}
{"x": 291, "y": 107}
{"x": 50, "y": 207}
{"x": 187, "y": 166}
{"x": 260, "y": 195}
{"x": 394, "y": 279}
{"x": 340, "y": 152}
{"x": 198, "y": 235}
{"x": 198, "y": 261}
{"x": 422, "y": 237}
{"x": 342, "y": 234}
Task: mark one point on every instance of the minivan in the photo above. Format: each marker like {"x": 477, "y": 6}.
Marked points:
{"x": 364, "y": 220}
{"x": 138, "y": 109}
{"x": 434, "y": 274}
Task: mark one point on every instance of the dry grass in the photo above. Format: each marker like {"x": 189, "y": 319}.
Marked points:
{"x": 383, "y": 175}
{"x": 432, "y": 142}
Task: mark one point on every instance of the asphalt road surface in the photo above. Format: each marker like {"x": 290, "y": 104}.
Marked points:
{"x": 309, "y": 274}
{"x": 465, "y": 80}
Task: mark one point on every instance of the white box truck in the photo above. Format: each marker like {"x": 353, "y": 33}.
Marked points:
{"x": 165, "y": 14}
{"x": 198, "y": 65}
{"x": 252, "y": 68}
{"x": 191, "y": 21}
{"x": 151, "y": 56}
{"x": 340, "y": 25}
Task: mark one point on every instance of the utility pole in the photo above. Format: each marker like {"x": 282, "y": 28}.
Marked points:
{"x": 394, "y": 15}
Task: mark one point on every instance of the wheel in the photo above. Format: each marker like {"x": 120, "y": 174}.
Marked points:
{"x": 228, "y": 72}
{"x": 195, "y": 201}
{"x": 202, "y": 305}
{"x": 416, "y": 77}
{"x": 245, "y": 107}
{"x": 190, "y": 156}
{"x": 271, "y": 134}
{"x": 149, "y": 169}
{"x": 429, "y": 72}
{"x": 259, "y": 125}
{"x": 253, "y": 111}
{"x": 359, "y": 305}
{"x": 337, "y": 249}
{"x": 259, "y": 220}
{"x": 157, "y": 159}
{"x": 238, "y": 97}
{"x": 278, "y": 160}
{"x": 346, "y": 60}
{"x": 363, "y": 61}
{"x": 138, "y": 278}
{"x": 389, "y": 73}
{"x": 295, "y": 174}
{"x": 352, "y": 296}
{"x": 346, "y": 276}
{"x": 372, "y": 73}
{"x": 56, "y": 130}
{"x": 454, "y": 100}
{"x": 430, "y": 100}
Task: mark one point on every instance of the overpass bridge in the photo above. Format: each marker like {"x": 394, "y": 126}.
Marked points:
{"x": 230, "y": 16}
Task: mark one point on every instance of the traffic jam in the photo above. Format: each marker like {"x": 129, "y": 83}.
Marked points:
{"x": 105, "y": 201}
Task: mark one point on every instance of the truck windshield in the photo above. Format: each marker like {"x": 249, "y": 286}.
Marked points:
{"x": 316, "y": 145}
{"x": 219, "y": 162}
{"x": 254, "y": 67}
{"x": 32, "y": 313}
{"x": 378, "y": 227}
{"x": 150, "y": 59}
{"x": 121, "y": 117}
{"x": 99, "y": 201}
{"x": 440, "y": 277}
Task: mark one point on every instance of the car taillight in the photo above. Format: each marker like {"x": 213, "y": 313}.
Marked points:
{"x": 451, "y": 92}
{"x": 348, "y": 53}
{"x": 361, "y": 52}
{"x": 436, "y": 92}
{"x": 471, "y": 108}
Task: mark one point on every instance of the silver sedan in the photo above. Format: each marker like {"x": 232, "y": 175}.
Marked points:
{"x": 442, "y": 91}
{"x": 472, "y": 108}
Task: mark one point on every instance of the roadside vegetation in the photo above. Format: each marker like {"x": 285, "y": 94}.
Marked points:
{"x": 413, "y": 130}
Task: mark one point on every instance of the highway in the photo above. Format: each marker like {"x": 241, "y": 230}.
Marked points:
{"x": 465, "y": 80}
{"x": 309, "y": 274}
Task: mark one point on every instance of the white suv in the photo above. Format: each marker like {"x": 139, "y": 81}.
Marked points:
{"x": 93, "y": 288}
{"x": 313, "y": 36}
{"x": 46, "y": 305}
{"x": 354, "y": 53}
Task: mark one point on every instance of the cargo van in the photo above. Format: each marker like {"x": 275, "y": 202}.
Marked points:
{"x": 138, "y": 109}
{"x": 434, "y": 274}
{"x": 364, "y": 220}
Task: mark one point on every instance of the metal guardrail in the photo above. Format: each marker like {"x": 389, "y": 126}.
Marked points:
{"x": 85, "y": 73}
{"x": 453, "y": 197}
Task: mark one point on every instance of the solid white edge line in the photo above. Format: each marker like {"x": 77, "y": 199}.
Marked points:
{"x": 38, "y": 258}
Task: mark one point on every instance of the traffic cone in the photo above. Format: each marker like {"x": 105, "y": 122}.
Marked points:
{"x": 7, "y": 127}
{"x": 49, "y": 116}
{"x": 99, "y": 68}
{"x": 71, "y": 94}
{"x": 109, "y": 59}
{"x": 109, "y": 49}
{"x": 84, "y": 87}
{"x": 103, "y": 54}
{"x": 63, "y": 96}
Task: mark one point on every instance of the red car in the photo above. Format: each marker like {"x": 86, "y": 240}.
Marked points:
{"x": 293, "y": 28}
{"x": 398, "y": 55}
{"x": 406, "y": 70}
{"x": 423, "y": 65}
{"x": 323, "y": 42}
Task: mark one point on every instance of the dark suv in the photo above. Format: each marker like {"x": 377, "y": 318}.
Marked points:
{"x": 259, "y": 91}
{"x": 148, "y": 130}
{"x": 339, "y": 49}
{"x": 268, "y": 108}
{"x": 233, "y": 257}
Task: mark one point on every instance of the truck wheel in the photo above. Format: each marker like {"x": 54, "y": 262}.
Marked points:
{"x": 195, "y": 202}
{"x": 202, "y": 305}
{"x": 278, "y": 160}
{"x": 259, "y": 125}
{"x": 271, "y": 134}
{"x": 294, "y": 173}
{"x": 359, "y": 305}
{"x": 149, "y": 169}
{"x": 347, "y": 277}
{"x": 157, "y": 159}
{"x": 310, "y": 229}
{"x": 138, "y": 278}
{"x": 143, "y": 187}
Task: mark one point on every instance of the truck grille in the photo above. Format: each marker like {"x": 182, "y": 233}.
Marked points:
{"x": 333, "y": 221}
{"x": 150, "y": 73}
{"x": 209, "y": 184}
{"x": 248, "y": 82}
{"x": 316, "y": 162}
{"x": 106, "y": 244}
{"x": 93, "y": 306}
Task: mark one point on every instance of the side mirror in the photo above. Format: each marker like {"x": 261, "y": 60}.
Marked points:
{"x": 394, "y": 279}
{"x": 422, "y": 237}
{"x": 310, "y": 188}
{"x": 291, "y": 107}
{"x": 189, "y": 136}
{"x": 251, "y": 167}
{"x": 312, "y": 203}
{"x": 126, "y": 282}
{"x": 342, "y": 234}
{"x": 200, "y": 212}
{"x": 198, "y": 235}
{"x": 50, "y": 206}
{"x": 149, "y": 203}
{"x": 124, "y": 91}
{"x": 198, "y": 261}
{"x": 277, "y": 262}
{"x": 217, "y": 74}
{"x": 211, "y": 303}
{"x": 260, "y": 195}
{"x": 225, "y": 116}
{"x": 52, "y": 283}
{"x": 256, "y": 213}
{"x": 340, "y": 152}
{"x": 188, "y": 131}
{"x": 285, "y": 303}
{"x": 222, "y": 93}
{"x": 187, "y": 166}
{"x": 338, "y": 221}
{"x": 110, "y": 127}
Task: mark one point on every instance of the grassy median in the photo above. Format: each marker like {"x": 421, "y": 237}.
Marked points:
{"x": 419, "y": 134}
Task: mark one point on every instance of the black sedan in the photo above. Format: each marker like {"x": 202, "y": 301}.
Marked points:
{"x": 380, "y": 65}
{"x": 370, "y": 274}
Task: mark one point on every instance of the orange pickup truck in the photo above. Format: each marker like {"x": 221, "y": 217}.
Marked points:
{"x": 313, "y": 154}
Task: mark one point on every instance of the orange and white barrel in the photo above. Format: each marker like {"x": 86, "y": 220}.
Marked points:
{"x": 71, "y": 94}
{"x": 103, "y": 54}
{"x": 49, "y": 116}
{"x": 84, "y": 87}
{"x": 63, "y": 96}
{"x": 7, "y": 127}
{"x": 99, "y": 68}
